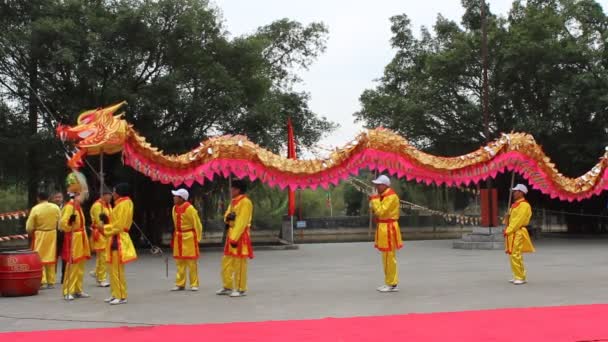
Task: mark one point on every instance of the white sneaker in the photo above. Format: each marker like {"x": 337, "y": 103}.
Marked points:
{"x": 238, "y": 294}
{"x": 82, "y": 295}
{"x": 103, "y": 284}
{"x": 223, "y": 292}
{"x": 519, "y": 282}
{"x": 68, "y": 297}
{"x": 117, "y": 301}
{"x": 177, "y": 288}
{"x": 388, "y": 288}
{"x": 194, "y": 288}
{"x": 109, "y": 299}
{"x": 511, "y": 280}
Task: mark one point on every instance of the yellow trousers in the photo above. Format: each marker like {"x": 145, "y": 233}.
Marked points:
{"x": 517, "y": 258}
{"x": 73, "y": 278}
{"x": 48, "y": 274}
{"x": 234, "y": 273}
{"x": 118, "y": 281}
{"x": 101, "y": 269}
{"x": 180, "y": 276}
{"x": 391, "y": 271}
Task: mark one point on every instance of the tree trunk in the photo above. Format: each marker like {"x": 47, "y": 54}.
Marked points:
{"x": 33, "y": 175}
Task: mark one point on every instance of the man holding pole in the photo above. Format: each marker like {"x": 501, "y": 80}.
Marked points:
{"x": 119, "y": 247}
{"x": 517, "y": 239}
{"x": 238, "y": 246}
{"x": 42, "y": 226}
{"x": 385, "y": 206}
{"x": 76, "y": 249}
{"x": 98, "y": 239}
{"x": 57, "y": 198}
{"x": 188, "y": 233}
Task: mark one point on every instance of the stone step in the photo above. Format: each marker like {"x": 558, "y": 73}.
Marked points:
{"x": 483, "y": 237}
{"x": 460, "y": 244}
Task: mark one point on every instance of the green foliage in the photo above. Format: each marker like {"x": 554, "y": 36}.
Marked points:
{"x": 270, "y": 205}
{"x": 12, "y": 198}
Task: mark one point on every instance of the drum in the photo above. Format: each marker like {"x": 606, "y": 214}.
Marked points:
{"x": 20, "y": 273}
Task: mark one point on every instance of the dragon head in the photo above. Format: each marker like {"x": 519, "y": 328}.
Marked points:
{"x": 97, "y": 131}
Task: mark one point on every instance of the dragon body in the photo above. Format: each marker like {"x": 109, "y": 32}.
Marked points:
{"x": 100, "y": 131}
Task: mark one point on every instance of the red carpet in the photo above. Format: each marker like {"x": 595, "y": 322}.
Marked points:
{"x": 566, "y": 323}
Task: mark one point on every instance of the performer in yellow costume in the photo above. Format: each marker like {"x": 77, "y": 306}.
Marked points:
{"x": 238, "y": 242}
{"x": 76, "y": 249}
{"x": 385, "y": 207}
{"x": 98, "y": 239}
{"x": 42, "y": 226}
{"x": 119, "y": 247}
{"x": 517, "y": 239}
{"x": 188, "y": 233}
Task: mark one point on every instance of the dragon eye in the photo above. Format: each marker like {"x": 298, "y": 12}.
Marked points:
{"x": 85, "y": 134}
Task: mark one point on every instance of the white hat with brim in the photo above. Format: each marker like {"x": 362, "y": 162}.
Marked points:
{"x": 520, "y": 187}
{"x": 382, "y": 180}
{"x": 183, "y": 193}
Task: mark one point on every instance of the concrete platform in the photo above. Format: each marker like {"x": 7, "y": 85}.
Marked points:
{"x": 331, "y": 280}
{"x": 481, "y": 238}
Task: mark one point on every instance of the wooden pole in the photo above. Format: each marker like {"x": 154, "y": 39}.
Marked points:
{"x": 484, "y": 99}
{"x": 101, "y": 175}
{"x": 371, "y": 214}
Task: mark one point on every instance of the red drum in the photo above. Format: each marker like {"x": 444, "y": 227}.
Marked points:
{"x": 20, "y": 273}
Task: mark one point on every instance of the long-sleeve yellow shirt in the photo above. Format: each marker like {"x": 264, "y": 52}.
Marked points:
{"x": 98, "y": 238}
{"x": 76, "y": 243}
{"x": 42, "y": 224}
{"x": 386, "y": 209}
{"x": 519, "y": 216}
{"x": 117, "y": 231}
{"x": 516, "y": 233}
{"x": 188, "y": 231}
{"x": 238, "y": 233}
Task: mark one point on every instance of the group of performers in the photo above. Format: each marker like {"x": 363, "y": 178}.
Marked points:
{"x": 188, "y": 233}
{"x": 112, "y": 244}
{"x": 385, "y": 206}
{"x": 50, "y": 226}
{"x": 110, "y": 240}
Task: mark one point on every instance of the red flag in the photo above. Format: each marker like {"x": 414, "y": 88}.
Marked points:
{"x": 291, "y": 154}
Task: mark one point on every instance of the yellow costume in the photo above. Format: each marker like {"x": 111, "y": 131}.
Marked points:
{"x": 517, "y": 239}
{"x": 98, "y": 240}
{"x": 119, "y": 247}
{"x": 42, "y": 225}
{"x": 76, "y": 249}
{"x": 188, "y": 233}
{"x": 234, "y": 262}
{"x": 388, "y": 235}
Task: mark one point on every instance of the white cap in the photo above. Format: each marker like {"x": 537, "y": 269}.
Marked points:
{"x": 183, "y": 193}
{"x": 382, "y": 180}
{"x": 520, "y": 187}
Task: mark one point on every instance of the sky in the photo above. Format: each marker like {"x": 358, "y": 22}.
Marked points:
{"x": 358, "y": 47}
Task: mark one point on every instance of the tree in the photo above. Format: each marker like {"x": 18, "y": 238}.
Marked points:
{"x": 183, "y": 77}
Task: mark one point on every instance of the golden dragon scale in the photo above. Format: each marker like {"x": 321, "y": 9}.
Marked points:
{"x": 100, "y": 131}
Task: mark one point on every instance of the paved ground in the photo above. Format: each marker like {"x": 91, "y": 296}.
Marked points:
{"x": 332, "y": 280}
